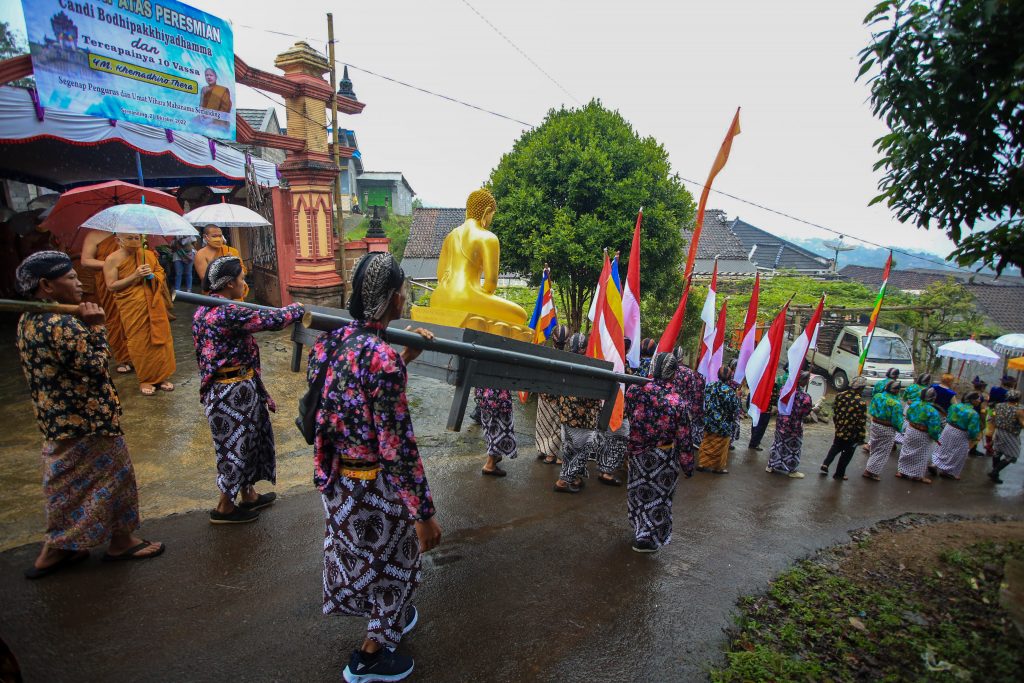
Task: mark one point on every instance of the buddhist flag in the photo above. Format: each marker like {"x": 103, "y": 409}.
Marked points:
{"x": 667, "y": 343}
{"x": 631, "y": 296}
{"x": 763, "y": 366}
{"x": 606, "y": 338}
{"x": 797, "y": 353}
{"x": 723, "y": 156}
{"x": 747, "y": 341}
{"x": 874, "y": 314}
{"x": 707, "y": 314}
{"x": 545, "y": 317}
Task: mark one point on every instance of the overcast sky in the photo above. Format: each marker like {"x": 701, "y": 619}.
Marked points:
{"x": 675, "y": 70}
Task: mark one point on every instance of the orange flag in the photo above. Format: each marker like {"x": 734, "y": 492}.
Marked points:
{"x": 723, "y": 156}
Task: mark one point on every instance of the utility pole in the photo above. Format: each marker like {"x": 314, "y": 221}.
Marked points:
{"x": 336, "y": 155}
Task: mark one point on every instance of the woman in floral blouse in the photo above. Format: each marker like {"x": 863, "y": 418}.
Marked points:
{"x": 378, "y": 508}
{"x": 963, "y": 427}
{"x": 237, "y": 404}
{"x": 1008, "y": 419}
{"x": 886, "y": 413}
{"x": 721, "y": 405}
{"x": 659, "y": 448}
{"x": 789, "y": 433}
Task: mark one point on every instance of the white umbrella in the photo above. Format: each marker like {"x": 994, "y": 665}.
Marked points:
{"x": 226, "y": 215}
{"x": 1010, "y": 344}
{"x": 968, "y": 349}
{"x": 140, "y": 219}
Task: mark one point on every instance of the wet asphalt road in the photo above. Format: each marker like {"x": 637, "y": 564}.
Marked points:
{"x": 528, "y": 585}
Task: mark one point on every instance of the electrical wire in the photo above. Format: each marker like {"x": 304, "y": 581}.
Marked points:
{"x": 520, "y": 51}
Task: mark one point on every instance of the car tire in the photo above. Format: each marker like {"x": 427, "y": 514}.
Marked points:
{"x": 839, "y": 380}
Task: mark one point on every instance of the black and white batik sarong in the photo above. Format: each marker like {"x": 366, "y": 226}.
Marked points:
{"x": 915, "y": 454}
{"x": 611, "y": 449}
{"x": 653, "y": 475}
{"x": 578, "y": 446}
{"x": 1006, "y": 444}
{"x": 499, "y": 432}
{"x": 881, "y": 439}
{"x": 242, "y": 436}
{"x": 549, "y": 429}
{"x": 951, "y": 455}
{"x": 371, "y": 556}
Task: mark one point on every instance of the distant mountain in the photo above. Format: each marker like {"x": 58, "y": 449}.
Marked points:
{"x": 875, "y": 257}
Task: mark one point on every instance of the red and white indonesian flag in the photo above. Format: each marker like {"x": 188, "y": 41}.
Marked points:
{"x": 631, "y": 297}
{"x": 797, "y": 353}
{"x": 764, "y": 364}
{"x": 707, "y": 344}
{"x": 747, "y": 342}
{"x": 717, "y": 347}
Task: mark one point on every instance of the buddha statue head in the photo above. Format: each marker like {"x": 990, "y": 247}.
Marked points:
{"x": 481, "y": 207}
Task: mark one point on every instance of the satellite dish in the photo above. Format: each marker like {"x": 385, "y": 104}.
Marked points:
{"x": 837, "y": 246}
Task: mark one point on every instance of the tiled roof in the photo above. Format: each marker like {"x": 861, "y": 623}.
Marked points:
{"x": 1003, "y": 305}
{"x": 916, "y": 279}
{"x": 716, "y": 239}
{"x": 428, "y": 229}
{"x": 774, "y": 252}
{"x": 254, "y": 117}
{"x": 387, "y": 176}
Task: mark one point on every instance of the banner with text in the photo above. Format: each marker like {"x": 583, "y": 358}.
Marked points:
{"x": 162, "y": 63}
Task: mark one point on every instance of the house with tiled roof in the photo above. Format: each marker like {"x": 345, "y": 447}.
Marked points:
{"x": 718, "y": 242}
{"x": 262, "y": 121}
{"x": 1002, "y": 305}
{"x": 772, "y": 253}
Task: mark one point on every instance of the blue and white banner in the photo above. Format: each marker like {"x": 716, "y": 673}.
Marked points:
{"x": 163, "y": 63}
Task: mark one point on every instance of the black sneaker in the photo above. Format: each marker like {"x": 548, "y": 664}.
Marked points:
{"x": 411, "y": 617}
{"x": 644, "y": 545}
{"x": 382, "y": 665}
{"x": 236, "y": 516}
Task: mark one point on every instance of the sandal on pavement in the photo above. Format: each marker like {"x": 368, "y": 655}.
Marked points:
{"x": 719, "y": 471}
{"x": 35, "y": 572}
{"x": 133, "y": 553}
{"x": 823, "y": 469}
{"x": 148, "y": 390}
{"x": 610, "y": 481}
{"x": 568, "y": 488}
{"x": 165, "y": 386}
{"x": 550, "y": 460}
{"x": 124, "y": 368}
{"x": 262, "y": 501}
{"x": 496, "y": 472}
{"x": 872, "y": 477}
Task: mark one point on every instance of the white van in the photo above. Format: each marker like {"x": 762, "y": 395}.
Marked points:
{"x": 888, "y": 350}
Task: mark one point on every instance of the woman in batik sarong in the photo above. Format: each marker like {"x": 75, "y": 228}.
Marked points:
{"x": 499, "y": 428}
{"x": 88, "y": 479}
{"x": 378, "y": 508}
{"x": 231, "y": 389}
{"x": 721, "y": 405}
{"x": 886, "y": 413}
{"x": 549, "y": 428}
{"x": 963, "y": 427}
{"x": 924, "y": 428}
{"x": 1008, "y": 418}
{"x": 659, "y": 448}
{"x": 789, "y": 433}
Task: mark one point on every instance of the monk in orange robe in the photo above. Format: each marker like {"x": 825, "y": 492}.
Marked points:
{"x": 98, "y": 245}
{"x": 214, "y": 96}
{"x": 214, "y": 248}
{"x": 143, "y": 311}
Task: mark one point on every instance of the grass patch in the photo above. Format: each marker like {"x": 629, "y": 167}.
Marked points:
{"x": 395, "y": 227}
{"x": 817, "y": 622}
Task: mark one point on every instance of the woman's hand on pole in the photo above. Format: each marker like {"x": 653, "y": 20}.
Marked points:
{"x": 411, "y": 354}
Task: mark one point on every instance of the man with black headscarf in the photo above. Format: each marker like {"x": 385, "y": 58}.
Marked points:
{"x": 378, "y": 507}
{"x": 88, "y": 478}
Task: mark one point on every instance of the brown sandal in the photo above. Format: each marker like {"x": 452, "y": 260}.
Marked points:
{"x": 872, "y": 477}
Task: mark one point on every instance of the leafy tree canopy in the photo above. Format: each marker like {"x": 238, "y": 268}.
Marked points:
{"x": 572, "y": 187}
{"x": 947, "y": 77}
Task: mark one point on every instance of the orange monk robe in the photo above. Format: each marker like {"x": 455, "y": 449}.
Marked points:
{"x": 144, "y": 318}
{"x": 215, "y": 97}
{"x": 105, "y": 298}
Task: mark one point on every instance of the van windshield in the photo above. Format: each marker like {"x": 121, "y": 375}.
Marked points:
{"x": 887, "y": 348}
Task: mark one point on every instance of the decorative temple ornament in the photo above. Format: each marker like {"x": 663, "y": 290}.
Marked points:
{"x": 470, "y": 253}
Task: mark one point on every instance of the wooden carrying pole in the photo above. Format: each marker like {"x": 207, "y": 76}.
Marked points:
{"x": 17, "y": 306}
{"x": 326, "y": 323}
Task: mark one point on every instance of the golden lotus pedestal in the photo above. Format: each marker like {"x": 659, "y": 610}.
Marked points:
{"x": 470, "y": 321}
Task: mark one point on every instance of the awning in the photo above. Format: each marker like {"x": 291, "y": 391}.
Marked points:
{"x": 64, "y": 150}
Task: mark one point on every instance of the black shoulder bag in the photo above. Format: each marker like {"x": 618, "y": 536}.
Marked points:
{"x": 309, "y": 404}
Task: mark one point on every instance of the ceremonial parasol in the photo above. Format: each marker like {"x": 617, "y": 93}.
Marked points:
{"x": 968, "y": 349}
{"x": 74, "y": 207}
{"x": 141, "y": 219}
{"x": 1010, "y": 344}
{"x": 226, "y": 215}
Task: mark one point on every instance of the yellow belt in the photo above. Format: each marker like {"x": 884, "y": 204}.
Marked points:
{"x": 248, "y": 374}
{"x": 366, "y": 475}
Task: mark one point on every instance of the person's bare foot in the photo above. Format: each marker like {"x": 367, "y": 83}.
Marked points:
{"x": 147, "y": 389}
{"x": 50, "y": 556}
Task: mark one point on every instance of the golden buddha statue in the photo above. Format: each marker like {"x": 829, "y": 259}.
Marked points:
{"x": 470, "y": 253}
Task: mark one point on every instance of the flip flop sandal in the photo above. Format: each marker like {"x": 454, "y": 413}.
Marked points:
{"x": 63, "y": 563}
{"x": 496, "y": 472}
{"x": 124, "y": 369}
{"x": 148, "y": 391}
{"x": 719, "y": 471}
{"x": 609, "y": 482}
{"x": 872, "y": 477}
{"x": 550, "y": 460}
{"x": 165, "y": 386}
{"x": 132, "y": 553}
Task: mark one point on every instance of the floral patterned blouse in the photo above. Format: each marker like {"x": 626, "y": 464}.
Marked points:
{"x": 849, "y": 413}
{"x": 965, "y": 417}
{"x": 924, "y": 414}
{"x": 887, "y": 408}
{"x": 792, "y": 425}
{"x": 364, "y": 414}
{"x": 690, "y": 385}
{"x": 721, "y": 406}
{"x": 644, "y": 367}
{"x": 912, "y": 393}
{"x": 581, "y": 413}
{"x": 1007, "y": 417}
{"x": 65, "y": 364}
{"x": 658, "y": 415}
{"x": 223, "y": 339}
{"x": 493, "y": 400}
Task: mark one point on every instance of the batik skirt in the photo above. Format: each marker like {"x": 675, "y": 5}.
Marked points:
{"x": 881, "y": 438}
{"x": 1006, "y": 444}
{"x": 499, "y": 430}
{"x": 549, "y": 429}
{"x": 915, "y": 453}
{"x": 951, "y": 455}
{"x": 242, "y": 436}
{"x": 89, "y": 484}
{"x": 653, "y": 474}
{"x": 371, "y": 556}
{"x": 789, "y": 441}
{"x": 714, "y": 452}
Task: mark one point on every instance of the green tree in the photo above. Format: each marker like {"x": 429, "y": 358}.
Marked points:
{"x": 12, "y": 44}
{"x": 947, "y": 77}
{"x": 571, "y": 187}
